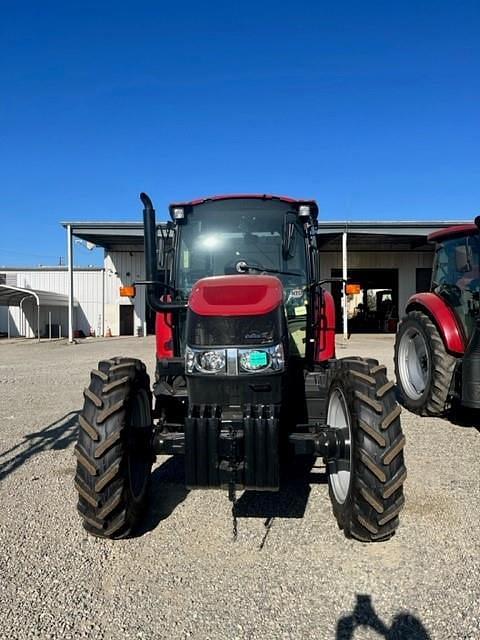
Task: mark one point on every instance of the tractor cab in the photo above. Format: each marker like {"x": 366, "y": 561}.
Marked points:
{"x": 456, "y": 273}
{"x": 239, "y": 236}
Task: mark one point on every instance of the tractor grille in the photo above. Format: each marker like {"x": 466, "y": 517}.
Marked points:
{"x": 209, "y": 331}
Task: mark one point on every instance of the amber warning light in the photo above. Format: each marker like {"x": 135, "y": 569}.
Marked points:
{"x": 127, "y": 292}
{"x": 352, "y": 289}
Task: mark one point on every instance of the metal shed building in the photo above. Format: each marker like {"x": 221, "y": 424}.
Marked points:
{"x": 382, "y": 255}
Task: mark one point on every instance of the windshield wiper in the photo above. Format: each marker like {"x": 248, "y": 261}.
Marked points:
{"x": 243, "y": 267}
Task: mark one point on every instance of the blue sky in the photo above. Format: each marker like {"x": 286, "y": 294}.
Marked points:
{"x": 372, "y": 108}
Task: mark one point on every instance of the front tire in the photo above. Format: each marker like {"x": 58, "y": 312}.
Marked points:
{"x": 423, "y": 368}
{"x": 114, "y": 449}
{"x": 366, "y": 480}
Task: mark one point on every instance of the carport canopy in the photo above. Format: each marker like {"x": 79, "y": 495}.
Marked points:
{"x": 11, "y": 296}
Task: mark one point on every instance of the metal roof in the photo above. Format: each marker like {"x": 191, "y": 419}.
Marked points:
{"x": 109, "y": 234}
{"x": 387, "y": 228}
{"x": 13, "y": 296}
{"x": 47, "y": 268}
{"x": 243, "y": 196}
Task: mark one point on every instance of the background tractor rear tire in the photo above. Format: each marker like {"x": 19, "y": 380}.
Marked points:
{"x": 114, "y": 449}
{"x": 366, "y": 482}
{"x": 423, "y": 368}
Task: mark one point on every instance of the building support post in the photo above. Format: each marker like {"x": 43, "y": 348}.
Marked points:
{"x": 70, "y": 282}
{"x": 23, "y": 328}
{"x": 344, "y": 296}
{"x": 38, "y": 320}
{"x": 102, "y": 333}
{"x": 8, "y": 322}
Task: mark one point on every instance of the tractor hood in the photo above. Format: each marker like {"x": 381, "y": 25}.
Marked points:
{"x": 237, "y": 295}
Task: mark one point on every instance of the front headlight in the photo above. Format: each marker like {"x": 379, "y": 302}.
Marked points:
{"x": 232, "y": 361}
{"x": 211, "y": 361}
{"x": 251, "y": 360}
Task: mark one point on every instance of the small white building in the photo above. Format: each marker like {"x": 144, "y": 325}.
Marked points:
{"x": 35, "y": 300}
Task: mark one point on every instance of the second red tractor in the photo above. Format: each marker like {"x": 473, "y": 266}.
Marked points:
{"x": 437, "y": 350}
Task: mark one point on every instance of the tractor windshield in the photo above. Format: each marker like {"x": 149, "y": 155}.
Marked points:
{"x": 456, "y": 277}
{"x": 217, "y": 236}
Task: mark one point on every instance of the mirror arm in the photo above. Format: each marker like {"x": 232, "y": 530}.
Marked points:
{"x": 319, "y": 283}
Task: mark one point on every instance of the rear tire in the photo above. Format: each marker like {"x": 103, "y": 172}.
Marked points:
{"x": 114, "y": 449}
{"x": 366, "y": 483}
{"x": 423, "y": 368}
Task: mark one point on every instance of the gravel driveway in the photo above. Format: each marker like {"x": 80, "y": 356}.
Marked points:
{"x": 183, "y": 576}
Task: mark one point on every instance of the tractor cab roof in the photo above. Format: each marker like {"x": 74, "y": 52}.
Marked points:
{"x": 249, "y": 196}
{"x": 453, "y": 232}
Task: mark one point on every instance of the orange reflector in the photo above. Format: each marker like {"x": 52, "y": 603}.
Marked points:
{"x": 127, "y": 292}
{"x": 352, "y": 289}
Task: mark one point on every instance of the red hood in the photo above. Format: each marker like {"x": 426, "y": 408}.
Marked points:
{"x": 242, "y": 295}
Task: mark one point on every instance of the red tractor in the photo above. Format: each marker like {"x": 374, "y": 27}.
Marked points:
{"x": 246, "y": 375}
{"x": 437, "y": 350}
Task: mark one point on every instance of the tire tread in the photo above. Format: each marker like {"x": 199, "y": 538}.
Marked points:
{"x": 375, "y": 500}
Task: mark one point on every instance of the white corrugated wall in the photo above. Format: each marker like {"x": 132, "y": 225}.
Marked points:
{"x": 123, "y": 268}
{"x": 88, "y": 291}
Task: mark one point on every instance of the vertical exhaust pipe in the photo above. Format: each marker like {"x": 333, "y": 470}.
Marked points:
{"x": 153, "y": 286}
{"x": 150, "y": 236}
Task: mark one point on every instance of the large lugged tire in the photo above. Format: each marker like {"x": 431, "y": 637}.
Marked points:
{"x": 366, "y": 482}
{"x": 423, "y": 368}
{"x": 114, "y": 448}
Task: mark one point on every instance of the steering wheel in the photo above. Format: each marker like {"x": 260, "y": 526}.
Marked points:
{"x": 166, "y": 286}
{"x": 474, "y": 285}
{"x": 453, "y": 291}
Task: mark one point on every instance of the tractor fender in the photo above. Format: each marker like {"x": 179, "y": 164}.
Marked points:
{"x": 164, "y": 332}
{"x": 443, "y": 317}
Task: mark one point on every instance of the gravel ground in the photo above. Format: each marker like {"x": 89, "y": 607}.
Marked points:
{"x": 183, "y": 576}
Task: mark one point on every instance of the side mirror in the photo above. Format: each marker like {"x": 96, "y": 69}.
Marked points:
{"x": 463, "y": 257}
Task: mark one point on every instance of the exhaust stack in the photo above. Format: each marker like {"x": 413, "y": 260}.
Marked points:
{"x": 153, "y": 283}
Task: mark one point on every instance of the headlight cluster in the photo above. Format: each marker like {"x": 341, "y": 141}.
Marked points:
{"x": 251, "y": 360}
{"x": 233, "y": 361}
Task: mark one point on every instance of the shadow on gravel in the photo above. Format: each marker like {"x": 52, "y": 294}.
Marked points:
{"x": 167, "y": 491}
{"x": 405, "y": 626}
{"x": 57, "y": 435}
{"x": 467, "y": 418}
{"x": 458, "y": 416}
{"x": 290, "y": 502}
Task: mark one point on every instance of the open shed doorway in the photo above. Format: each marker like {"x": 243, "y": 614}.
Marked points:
{"x": 150, "y": 317}
{"x": 375, "y": 308}
{"x": 126, "y": 319}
